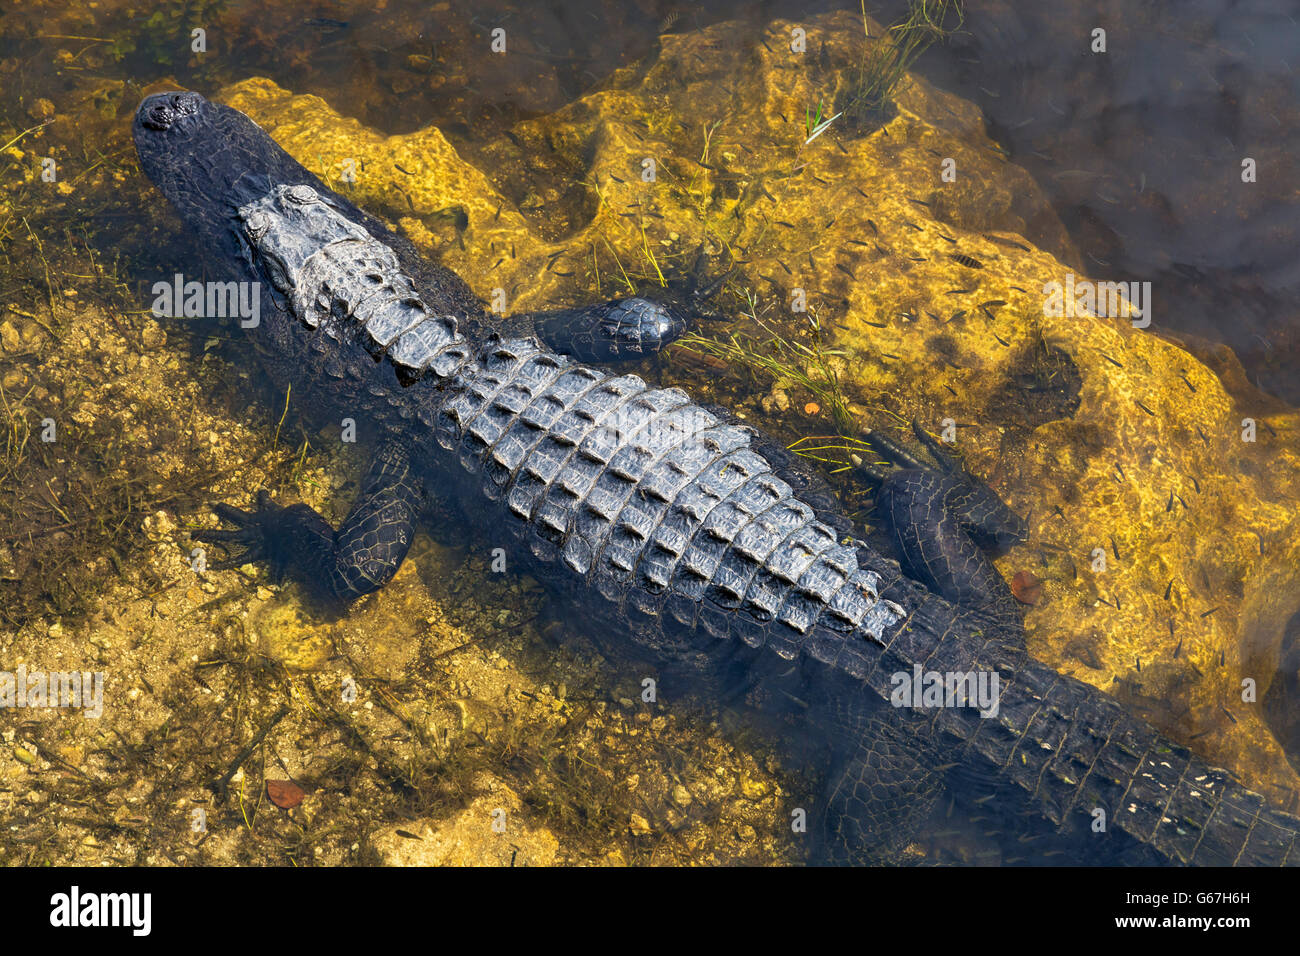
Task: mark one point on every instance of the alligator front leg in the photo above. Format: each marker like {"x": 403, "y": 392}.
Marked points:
{"x": 621, "y": 330}
{"x": 632, "y": 329}
{"x": 359, "y": 558}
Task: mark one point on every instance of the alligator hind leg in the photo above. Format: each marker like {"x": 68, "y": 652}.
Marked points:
{"x": 360, "y": 557}
{"x": 941, "y": 520}
{"x": 880, "y": 795}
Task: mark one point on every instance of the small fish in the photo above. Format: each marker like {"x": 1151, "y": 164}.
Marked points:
{"x": 1111, "y": 360}
{"x": 858, "y": 242}
{"x": 874, "y": 230}
{"x": 1143, "y": 407}
{"x": 909, "y": 222}
{"x": 961, "y": 291}
{"x": 1209, "y": 612}
{"x": 970, "y": 262}
{"x": 845, "y": 269}
{"x": 409, "y": 173}
{"x": 1018, "y": 289}
{"x": 1007, "y": 242}
{"x": 994, "y": 303}
{"x": 1002, "y": 340}
{"x": 1188, "y": 384}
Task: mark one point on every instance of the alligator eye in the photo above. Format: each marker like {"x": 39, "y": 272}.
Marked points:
{"x": 301, "y": 194}
{"x": 256, "y": 225}
{"x": 277, "y": 275}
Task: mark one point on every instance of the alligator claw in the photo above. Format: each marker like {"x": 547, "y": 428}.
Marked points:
{"x": 250, "y": 533}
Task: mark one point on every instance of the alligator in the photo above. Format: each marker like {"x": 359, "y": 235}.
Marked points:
{"x": 675, "y": 526}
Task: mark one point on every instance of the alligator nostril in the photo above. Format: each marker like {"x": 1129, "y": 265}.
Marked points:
{"x": 160, "y": 111}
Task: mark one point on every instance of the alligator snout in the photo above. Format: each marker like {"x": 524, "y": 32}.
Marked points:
{"x": 161, "y": 110}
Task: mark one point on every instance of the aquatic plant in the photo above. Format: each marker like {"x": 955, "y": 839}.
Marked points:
{"x": 809, "y": 366}
{"x": 870, "y": 94}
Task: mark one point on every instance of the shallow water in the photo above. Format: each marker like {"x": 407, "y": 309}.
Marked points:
{"x": 392, "y": 732}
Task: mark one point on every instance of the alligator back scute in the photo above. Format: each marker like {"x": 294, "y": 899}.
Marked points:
{"x": 505, "y": 462}
{"x": 604, "y": 474}
{"x": 653, "y": 531}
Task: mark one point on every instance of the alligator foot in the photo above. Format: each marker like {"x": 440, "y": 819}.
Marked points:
{"x": 360, "y": 557}
{"x": 631, "y": 329}
{"x": 942, "y": 520}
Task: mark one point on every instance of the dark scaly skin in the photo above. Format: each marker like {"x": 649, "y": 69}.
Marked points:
{"x": 614, "y": 331}
{"x": 361, "y": 557}
{"x": 941, "y": 522}
{"x": 658, "y": 521}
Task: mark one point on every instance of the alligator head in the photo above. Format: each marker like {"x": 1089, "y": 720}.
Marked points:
{"x": 209, "y": 160}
